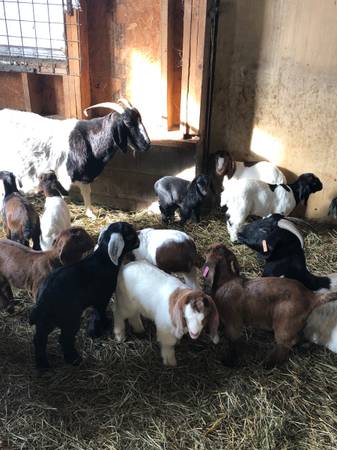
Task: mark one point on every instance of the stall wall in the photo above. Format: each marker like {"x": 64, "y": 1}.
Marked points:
{"x": 275, "y": 91}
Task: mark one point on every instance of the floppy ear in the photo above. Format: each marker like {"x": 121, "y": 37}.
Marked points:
{"x": 58, "y": 186}
{"x": 203, "y": 189}
{"x": 304, "y": 192}
{"x": 178, "y": 313}
{"x": 120, "y": 134}
{"x": 68, "y": 251}
{"x": 234, "y": 265}
{"x": 209, "y": 273}
{"x": 115, "y": 247}
{"x": 213, "y": 320}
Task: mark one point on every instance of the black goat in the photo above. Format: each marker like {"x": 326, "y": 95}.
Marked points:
{"x": 175, "y": 192}
{"x": 281, "y": 245}
{"x": 77, "y": 150}
{"x": 68, "y": 291}
{"x": 20, "y": 220}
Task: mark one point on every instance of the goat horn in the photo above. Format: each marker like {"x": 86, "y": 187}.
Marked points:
{"x": 286, "y": 225}
{"x": 125, "y": 103}
{"x": 109, "y": 105}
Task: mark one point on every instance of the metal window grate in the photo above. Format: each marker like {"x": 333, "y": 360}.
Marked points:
{"x": 33, "y": 35}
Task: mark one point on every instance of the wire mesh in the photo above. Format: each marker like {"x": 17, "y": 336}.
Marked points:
{"x": 33, "y": 35}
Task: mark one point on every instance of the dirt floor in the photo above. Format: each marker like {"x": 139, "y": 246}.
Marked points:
{"x": 122, "y": 397}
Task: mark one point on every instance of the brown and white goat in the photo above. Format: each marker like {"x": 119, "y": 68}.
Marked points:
{"x": 25, "y": 268}
{"x": 144, "y": 290}
{"x": 172, "y": 251}
{"x": 20, "y": 220}
{"x": 278, "y": 304}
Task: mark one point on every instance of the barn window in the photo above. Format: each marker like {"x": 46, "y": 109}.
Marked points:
{"x": 34, "y": 36}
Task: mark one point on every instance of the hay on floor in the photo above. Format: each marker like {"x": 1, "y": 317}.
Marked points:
{"x": 122, "y": 397}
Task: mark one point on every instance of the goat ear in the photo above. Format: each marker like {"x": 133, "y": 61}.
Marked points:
{"x": 119, "y": 133}
{"x": 303, "y": 193}
{"x": 178, "y": 314}
{"x": 115, "y": 247}
{"x": 213, "y": 321}
{"x": 209, "y": 273}
{"x": 60, "y": 188}
{"x": 68, "y": 251}
{"x": 234, "y": 265}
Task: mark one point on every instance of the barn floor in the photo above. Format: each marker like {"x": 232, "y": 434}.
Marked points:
{"x": 122, "y": 397}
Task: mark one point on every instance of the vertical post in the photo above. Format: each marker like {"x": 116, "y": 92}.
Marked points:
{"x": 76, "y": 84}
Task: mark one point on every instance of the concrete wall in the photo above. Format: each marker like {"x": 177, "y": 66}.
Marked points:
{"x": 275, "y": 93}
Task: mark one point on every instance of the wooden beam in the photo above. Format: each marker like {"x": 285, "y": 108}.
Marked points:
{"x": 194, "y": 44}
{"x": 171, "y": 29}
{"x": 76, "y": 84}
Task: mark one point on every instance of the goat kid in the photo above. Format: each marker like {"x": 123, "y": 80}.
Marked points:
{"x": 276, "y": 304}
{"x": 77, "y": 150}
{"x": 20, "y": 220}
{"x": 281, "y": 245}
{"x": 253, "y": 197}
{"x": 56, "y": 216}
{"x": 171, "y": 251}
{"x": 265, "y": 171}
{"x": 144, "y": 290}
{"x": 68, "y": 291}
{"x": 25, "y": 268}
{"x": 176, "y": 193}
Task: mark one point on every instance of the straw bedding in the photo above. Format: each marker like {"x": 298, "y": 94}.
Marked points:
{"x": 122, "y": 397}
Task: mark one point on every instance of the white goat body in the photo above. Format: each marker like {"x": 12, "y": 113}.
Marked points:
{"x": 55, "y": 218}
{"x": 321, "y": 326}
{"x": 254, "y": 197}
{"x": 144, "y": 290}
{"x": 263, "y": 170}
{"x": 48, "y": 140}
{"x": 154, "y": 243}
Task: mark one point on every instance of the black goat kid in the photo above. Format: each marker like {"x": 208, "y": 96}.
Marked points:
{"x": 281, "y": 245}
{"x": 175, "y": 192}
{"x": 68, "y": 291}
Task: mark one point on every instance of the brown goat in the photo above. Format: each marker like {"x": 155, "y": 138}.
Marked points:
{"x": 20, "y": 220}
{"x": 278, "y": 304}
{"x": 25, "y": 268}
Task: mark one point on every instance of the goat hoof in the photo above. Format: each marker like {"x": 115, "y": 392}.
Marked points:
{"x": 90, "y": 214}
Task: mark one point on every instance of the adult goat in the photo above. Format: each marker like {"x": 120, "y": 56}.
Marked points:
{"x": 77, "y": 150}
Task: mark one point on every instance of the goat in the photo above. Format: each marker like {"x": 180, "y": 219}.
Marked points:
{"x": 20, "y": 220}
{"x": 265, "y": 171}
{"x": 25, "y": 268}
{"x": 68, "y": 291}
{"x": 143, "y": 289}
{"x": 276, "y": 304}
{"x": 171, "y": 251}
{"x": 281, "y": 245}
{"x": 77, "y": 150}
{"x": 253, "y": 197}
{"x": 175, "y": 192}
{"x": 56, "y": 216}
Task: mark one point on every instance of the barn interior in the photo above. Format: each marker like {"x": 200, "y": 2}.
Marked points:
{"x": 254, "y": 77}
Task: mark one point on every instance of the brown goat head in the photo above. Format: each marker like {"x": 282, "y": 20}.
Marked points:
{"x": 201, "y": 312}
{"x": 221, "y": 266}
{"x": 224, "y": 164}
{"x": 73, "y": 244}
{"x": 50, "y": 185}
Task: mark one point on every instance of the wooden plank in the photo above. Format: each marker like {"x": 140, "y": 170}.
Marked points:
{"x": 26, "y": 93}
{"x": 76, "y": 83}
{"x": 195, "y": 13}
{"x": 171, "y": 29}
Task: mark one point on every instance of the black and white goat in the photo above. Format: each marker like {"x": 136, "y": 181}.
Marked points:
{"x": 68, "y": 291}
{"x": 281, "y": 245}
{"x": 77, "y": 150}
{"x": 265, "y": 171}
{"x": 20, "y": 220}
{"x": 248, "y": 197}
{"x": 56, "y": 216}
{"x": 176, "y": 193}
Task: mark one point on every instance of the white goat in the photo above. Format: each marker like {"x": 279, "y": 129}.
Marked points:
{"x": 56, "y": 216}
{"x": 171, "y": 251}
{"x": 265, "y": 171}
{"x": 254, "y": 197}
{"x": 143, "y": 289}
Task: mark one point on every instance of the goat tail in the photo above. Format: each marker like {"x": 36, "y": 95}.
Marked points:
{"x": 321, "y": 299}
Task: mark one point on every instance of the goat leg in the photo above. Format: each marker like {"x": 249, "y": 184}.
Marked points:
{"x": 231, "y": 357}
{"x": 99, "y": 323}
{"x": 40, "y": 343}
{"x": 67, "y": 342}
